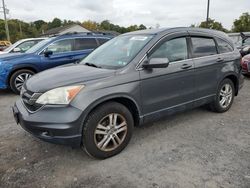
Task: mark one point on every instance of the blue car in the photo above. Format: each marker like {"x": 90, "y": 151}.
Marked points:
{"x": 15, "y": 69}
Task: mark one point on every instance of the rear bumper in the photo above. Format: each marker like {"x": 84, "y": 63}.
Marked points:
{"x": 55, "y": 125}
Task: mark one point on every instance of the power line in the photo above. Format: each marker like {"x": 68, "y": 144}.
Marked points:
{"x": 6, "y": 11}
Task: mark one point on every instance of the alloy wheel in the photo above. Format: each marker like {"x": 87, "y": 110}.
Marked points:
{"x": 110, "y": 132}
{"x": 21, "y": 79}
{"x": 226, "y": 95}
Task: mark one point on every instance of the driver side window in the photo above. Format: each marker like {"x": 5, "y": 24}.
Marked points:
{"x": 174, "y": 50}
{"x": 61, "y": 46}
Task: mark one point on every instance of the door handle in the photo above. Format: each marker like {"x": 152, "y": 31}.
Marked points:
{"x": 186, "y": 66}
{"x": 220, "y": 59}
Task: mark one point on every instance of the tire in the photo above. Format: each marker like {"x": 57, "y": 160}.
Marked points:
{"x": 217, "y": 105}
{"x": 94, "y": 143}
{"x": 15, "y": 81}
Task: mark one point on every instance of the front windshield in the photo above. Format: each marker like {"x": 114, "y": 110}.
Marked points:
{"x": 117, "y": 52}
{"x": 39, "y": 45}
{"x": 13, "y": 45}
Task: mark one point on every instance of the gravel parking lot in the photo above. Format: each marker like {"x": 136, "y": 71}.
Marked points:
{"x": 197, "y": 148}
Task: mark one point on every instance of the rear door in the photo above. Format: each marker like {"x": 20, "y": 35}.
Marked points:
{"x": 207, "y": 65}
{"x": 83, "y": 47}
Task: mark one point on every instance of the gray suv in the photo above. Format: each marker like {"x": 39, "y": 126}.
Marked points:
{"x": 134, "y": 78}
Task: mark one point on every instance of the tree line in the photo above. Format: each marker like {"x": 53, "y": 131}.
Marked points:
{"x": 20, "y": 29}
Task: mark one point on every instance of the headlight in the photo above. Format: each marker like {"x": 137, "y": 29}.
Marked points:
{"x": 62, "y": 95}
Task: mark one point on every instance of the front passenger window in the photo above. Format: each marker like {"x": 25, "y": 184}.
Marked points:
{"x": 61, "y": 46}
{"x": 174, "y": 50}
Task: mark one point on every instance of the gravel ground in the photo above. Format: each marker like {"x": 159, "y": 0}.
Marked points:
{"x": 197, "y": 148}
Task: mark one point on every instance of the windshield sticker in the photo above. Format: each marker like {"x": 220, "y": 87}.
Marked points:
{"x": 141, "y": 38}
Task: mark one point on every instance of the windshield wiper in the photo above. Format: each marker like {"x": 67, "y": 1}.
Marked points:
{"x": 92, "y": 65}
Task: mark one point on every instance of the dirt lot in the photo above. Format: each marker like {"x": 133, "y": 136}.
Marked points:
{"x": 193, "y": 149}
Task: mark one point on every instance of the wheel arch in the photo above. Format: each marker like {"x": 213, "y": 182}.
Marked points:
{"x": 31, "y": 68}
{"x": 234, "y": 78}
{"x": 125, "y": 100}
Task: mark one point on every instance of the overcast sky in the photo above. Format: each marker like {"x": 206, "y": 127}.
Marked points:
{"x": 167, "y": 13}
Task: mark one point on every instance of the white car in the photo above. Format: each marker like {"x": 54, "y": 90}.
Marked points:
{"x": 22, "y": 45}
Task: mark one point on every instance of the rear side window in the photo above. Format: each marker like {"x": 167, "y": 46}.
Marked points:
{"x": 102, "y": 41}
{"x": 203, "y": 46}
{"x": 85, "y": 43}
{"x": 174, "y": 50}
{"x": 224, "y": 46}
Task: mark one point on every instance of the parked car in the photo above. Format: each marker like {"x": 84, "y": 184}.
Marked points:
{"x": 15, "y": 69}
{"x": 21, "y": 45}
{"x": 245, "y": 63}
{"x": 4, "y": 45}
{"x": 134, "y": 78}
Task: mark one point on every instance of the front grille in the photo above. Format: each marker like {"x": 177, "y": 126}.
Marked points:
{"x": 29, "y": 99}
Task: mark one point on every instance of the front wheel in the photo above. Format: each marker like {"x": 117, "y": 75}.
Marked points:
{"x": 108, "y": 130}
{"x": 224, "y": 97}
{"x": 18, "y": 78}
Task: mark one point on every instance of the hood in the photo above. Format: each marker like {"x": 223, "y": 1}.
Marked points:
{"x": 63, "y": 76}
{"x": 12, "y": 56}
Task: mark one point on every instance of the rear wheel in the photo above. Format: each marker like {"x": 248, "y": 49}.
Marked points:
{"x": 18, "y": 78}
{"x": 108, "y": 130}
{"x": 224, "y": 97}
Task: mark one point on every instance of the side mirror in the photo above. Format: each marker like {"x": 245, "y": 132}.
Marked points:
{"x": 47, "y": 53}
{"x": 17, "y": 50}
{"x": 156, "y": 63}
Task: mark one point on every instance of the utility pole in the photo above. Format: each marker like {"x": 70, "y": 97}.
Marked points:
{"x": 6, "y": 22}
{"x": 208, "y": 6}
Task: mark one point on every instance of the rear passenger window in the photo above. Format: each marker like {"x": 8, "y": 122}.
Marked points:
{"x": 203, "y": 46}
{"x": 174, "y": 50}
{"x": 85, "y": 43}
{"x": 223, "y": 46}
{"x": 102, "y": 41}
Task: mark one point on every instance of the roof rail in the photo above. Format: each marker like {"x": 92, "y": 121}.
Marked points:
{"x": 86, "y": 33}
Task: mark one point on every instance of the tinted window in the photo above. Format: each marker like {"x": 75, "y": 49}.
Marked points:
{"x": 102, "y": 41}
{"x": 203, "y": 46}
{"x": 61, "y": 46}
{"x": 85, "y": 43}
{"x": 223, "y": 46}
{"x": 174, "y": 50}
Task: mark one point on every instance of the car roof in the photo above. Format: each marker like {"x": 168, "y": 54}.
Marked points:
{"x": 164, "y": 31}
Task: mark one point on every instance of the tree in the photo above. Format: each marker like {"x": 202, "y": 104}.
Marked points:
{"x": 39, "y": 23}
{"x": 242, "y": 24}
{"x": 90, "y": 25}
{"x": 56, "y": 22}
{"x": 142, "y": 27}
{"x": 212, "y": 24}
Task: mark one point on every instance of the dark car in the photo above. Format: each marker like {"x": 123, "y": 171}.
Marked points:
{"x": 15, "y": 69}
{"x": 134, "y": 78}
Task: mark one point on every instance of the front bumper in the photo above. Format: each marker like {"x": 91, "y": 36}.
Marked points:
{"x": 59, "y": 125}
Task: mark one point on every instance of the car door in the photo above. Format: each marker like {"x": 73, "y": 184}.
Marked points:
{"x": 167, "y": 90}
{"x": 207, "y": 64}
{"x": 62, "y": 53}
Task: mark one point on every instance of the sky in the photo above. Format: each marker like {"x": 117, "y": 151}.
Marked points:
{"x": 166, "y": 13}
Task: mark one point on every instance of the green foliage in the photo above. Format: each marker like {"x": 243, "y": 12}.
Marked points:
{"x": 19, "y": 29}
{"x": 212, "y": 24}
{"x": 242, "y": 24}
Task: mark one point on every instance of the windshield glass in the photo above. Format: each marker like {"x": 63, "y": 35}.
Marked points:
{"x": 13, "y": 45}
{"x": 117, "y": 52}
{"x": 39, "y": 45}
